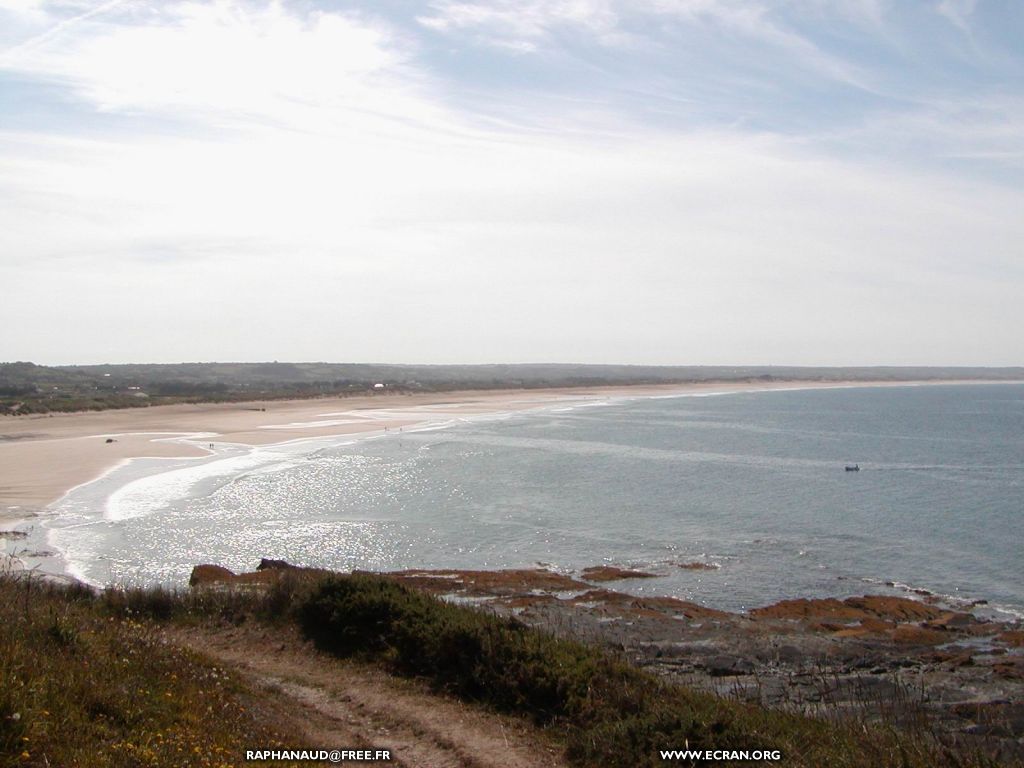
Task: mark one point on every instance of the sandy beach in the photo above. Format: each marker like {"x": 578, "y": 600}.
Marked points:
{"x": 43, "y": 457}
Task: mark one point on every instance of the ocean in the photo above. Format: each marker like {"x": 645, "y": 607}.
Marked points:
{"x": 751, "y": 484}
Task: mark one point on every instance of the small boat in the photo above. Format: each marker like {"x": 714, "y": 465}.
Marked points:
{"x": 853, "y": 467}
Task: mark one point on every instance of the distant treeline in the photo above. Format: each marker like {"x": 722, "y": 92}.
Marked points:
{"x": 29, "y": 388}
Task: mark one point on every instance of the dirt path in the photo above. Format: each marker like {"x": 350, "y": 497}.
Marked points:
{"x": 336, "y": 704}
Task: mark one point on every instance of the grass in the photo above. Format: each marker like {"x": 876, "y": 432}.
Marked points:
{"x": 85, "y": 681}
{"x": 84, "y": 685}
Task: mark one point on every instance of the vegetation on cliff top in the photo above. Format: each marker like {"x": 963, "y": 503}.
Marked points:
{"x": 85, "y": 680}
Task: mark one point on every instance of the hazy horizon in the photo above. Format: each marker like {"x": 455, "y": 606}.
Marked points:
{"x": 663, "y": 182}
{"x": 513, "y": 364}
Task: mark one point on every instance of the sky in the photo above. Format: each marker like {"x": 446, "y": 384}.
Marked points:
{"x": 791, "y": 182}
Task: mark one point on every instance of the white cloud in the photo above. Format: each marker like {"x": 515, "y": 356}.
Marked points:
{"x": 673, "y": 249}
{"x": 224, "y": 57}
{"x": 297, "y": 187}
{"x": 21, "y": 6}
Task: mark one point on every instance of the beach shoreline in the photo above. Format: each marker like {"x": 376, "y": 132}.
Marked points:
{"x": 43, "y": 457}
{"x": 82, "y": 459}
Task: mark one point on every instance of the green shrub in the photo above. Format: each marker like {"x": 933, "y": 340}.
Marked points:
{"x": 608, "y": 712}
{"x": 607, "y": 707}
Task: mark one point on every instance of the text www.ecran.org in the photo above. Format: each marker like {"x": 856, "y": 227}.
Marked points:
{"x": 709, "y": 755}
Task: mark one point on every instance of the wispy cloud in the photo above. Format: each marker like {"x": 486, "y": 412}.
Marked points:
{"x": 525, "y": 26}
{"x": 958, "y": 12}
{"x": 534, "y": 25}
{"x": 57, "y": 28}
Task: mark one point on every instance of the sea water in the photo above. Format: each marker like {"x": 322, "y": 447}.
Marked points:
{"x": 752, "y": 484}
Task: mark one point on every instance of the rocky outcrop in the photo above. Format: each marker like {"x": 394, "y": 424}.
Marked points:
{"x": 216, "y": 575}
{"x": 910, "y": 634}
{"x": 623, "y": 606}
{"x": 613, "y": 573}
{"x": 900, "y": 609}
{"x": 210, "y": 574}
{"x": 504, "y": 583}
{"x": 1013, "y": 638}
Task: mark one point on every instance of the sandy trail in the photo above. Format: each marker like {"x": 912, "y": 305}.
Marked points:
{"x": 337, "y": 704}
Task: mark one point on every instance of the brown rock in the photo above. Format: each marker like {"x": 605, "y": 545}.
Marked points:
{"x": 210, "y": 574}
{"x": 1013, "y": 637}
{"x": 698, "y": 566}
{"x": 894, "y": 608}
{"x": 802, "y": 608}
{"x": 679, "y": 607}
{"x": 851, "y": 609}
{"x": 649, "y": 607}
{"x": 612, "y": 573}
{"x": 850, "y": 632}
{"x": 910, "y": 634}
{"x": 957, "y": 656}
{"x": 1010, "y": 668}
{"x": 203, "y": 575}
{"x": 506, "y": 582}
{"x": 877, "y": 625}
{"x": 866, "y": 628}
{"x": 952, "y": 621}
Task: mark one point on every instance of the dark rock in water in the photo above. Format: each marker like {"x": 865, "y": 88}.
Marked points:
{"x": 268, "y": 564}
{"x": 13, "y": 535}
{"x": 696, "y": 565}
{"x": 111, "y": 440}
